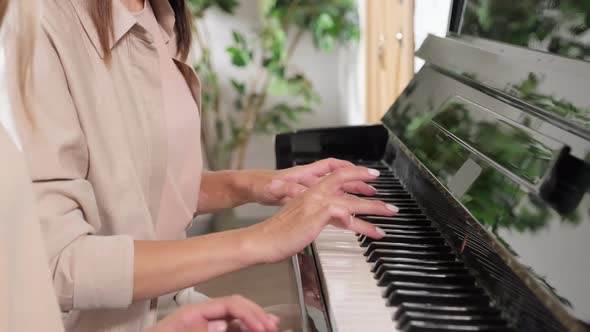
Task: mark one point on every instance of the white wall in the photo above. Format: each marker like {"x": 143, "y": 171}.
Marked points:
{"x": 330, "y": 73}
{"x": 430, "y": 16}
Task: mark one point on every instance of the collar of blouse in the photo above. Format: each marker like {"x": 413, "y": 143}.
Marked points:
{"x": 124, "y": 21}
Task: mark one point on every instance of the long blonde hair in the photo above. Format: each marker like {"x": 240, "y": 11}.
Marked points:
{"x": 19, "y": 19}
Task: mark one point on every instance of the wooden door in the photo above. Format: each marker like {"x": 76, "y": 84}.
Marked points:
{"x": 389, "y": 36}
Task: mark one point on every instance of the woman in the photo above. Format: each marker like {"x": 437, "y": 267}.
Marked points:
{"x": 25, "y": 283}
{"x": 116, "y": 165}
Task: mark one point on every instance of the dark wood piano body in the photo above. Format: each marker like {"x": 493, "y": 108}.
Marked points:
{"x": 497, "y": 165}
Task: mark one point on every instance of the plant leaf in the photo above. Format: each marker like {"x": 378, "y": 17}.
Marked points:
{"x": 238, "y": 86}
{"x": 239, "y": 57}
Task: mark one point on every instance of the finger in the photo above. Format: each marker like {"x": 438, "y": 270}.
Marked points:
{"x": 329, "y": 165}
{"x": 229, "y": 308}
{"x": 187, "y": 318}
{"x": 341, "y": 217}
{"x": 217, "y": 326}
{"x": 359, "y": 187}
{"x": 357, "y": 205}
{"x": 337, "y": 215}
{"x": 312, "y": 173}
{"x": 362, "y": 227}
{"x": 252, "y": 315}
{"x": 337, "y": 179}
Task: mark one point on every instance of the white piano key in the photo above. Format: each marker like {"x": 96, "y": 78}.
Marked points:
{"x": 354, "y": 299}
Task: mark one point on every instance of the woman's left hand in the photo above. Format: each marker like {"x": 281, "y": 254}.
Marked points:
{"x": 278, "y": 187}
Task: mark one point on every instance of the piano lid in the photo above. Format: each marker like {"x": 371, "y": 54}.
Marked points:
{"x": 554, "y": 26}
{"x": 506, "y": 130}
{"x": 550, "y": 27}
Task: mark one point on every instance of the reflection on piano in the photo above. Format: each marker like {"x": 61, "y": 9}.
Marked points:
{"x": 487, "y": 154}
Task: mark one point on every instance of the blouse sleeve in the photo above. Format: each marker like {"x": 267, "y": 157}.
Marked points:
{"x": 89, "y": 271}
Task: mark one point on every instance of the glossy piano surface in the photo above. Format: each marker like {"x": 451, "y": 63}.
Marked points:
{"x": 522, "y": 175}
{"x": 558, "y": 27}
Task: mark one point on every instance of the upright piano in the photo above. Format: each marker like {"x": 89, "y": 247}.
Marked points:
{"x": 487, "y": 154}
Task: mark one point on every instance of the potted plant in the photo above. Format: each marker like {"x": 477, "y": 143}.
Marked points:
{"x": 282, "y": 23}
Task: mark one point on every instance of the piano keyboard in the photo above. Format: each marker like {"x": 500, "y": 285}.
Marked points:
{"x": 411, "y": 280}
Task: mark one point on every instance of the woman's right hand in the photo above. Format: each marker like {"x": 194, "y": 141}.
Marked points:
{"x": 232, "y": 313}
{"x": 300, "y": 221}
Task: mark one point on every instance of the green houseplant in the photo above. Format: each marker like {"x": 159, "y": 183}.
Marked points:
{"x": 282, "y": 23}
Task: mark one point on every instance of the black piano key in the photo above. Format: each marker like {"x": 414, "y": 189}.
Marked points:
{"x": 401, "y": 195}
{"x": 408, "y": 316}
{"x": 392, "y": 198}
{"x": 387, "y": 175}
{"x": 386, "y": 186}
{"x": 416, "y": 228}
{"x": 412, "y": 261}
{"x": 410, "y": 232}
{"x": 416, "y": 220}
{"x": 399, "y": 296}
{"x": 386, "y": 180}
{"x": 419, "y": 268}
{"x": 451, "y": 288}
{"x": 466, "y": 321}
{"x": 403, "y": 238}
{"x": 393, "y": 230}
{"x": 424, "y": 277}
{"x": 381, "y": 253}
{"x": 372, "y": 164}
{"x": 403, "y": 210}
{"x": 444, "y": 310}
{"x": 422, "y": 326}
{"x": 392, "y": 192}
{"x": 406, "y": 246}
{"x": 406, "y": 217}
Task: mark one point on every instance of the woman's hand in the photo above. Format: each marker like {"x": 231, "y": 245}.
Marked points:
{"x": 226, "y": 189}
{"x": 233, "y": 313}
{"x": 300, "y": 221}
{"x": 278, "y": 187}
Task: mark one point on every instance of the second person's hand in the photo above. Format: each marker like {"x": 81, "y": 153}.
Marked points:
{"x": 232, "y": 313}
{"x": 300, "y": 221}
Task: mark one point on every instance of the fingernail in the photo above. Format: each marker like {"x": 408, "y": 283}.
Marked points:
{"x": 373, "y": 188}
{"x": 217, "y": 326}
{"x": 274, "y": 318}
{"x": 374, "y": 172}
{"x": 392, "y": 208}
{"x": 380, "y": 231}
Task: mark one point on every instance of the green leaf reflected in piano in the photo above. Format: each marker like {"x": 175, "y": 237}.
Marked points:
{"x": 558, "y": 27}
{"x": 439, "y": 140}
{"x": 528, "y": 90}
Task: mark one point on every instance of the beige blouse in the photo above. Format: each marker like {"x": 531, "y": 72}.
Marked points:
{"x": 27, "y": 301}
{"x": 184, "y": 163}
{"x": 98, "y": 157}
